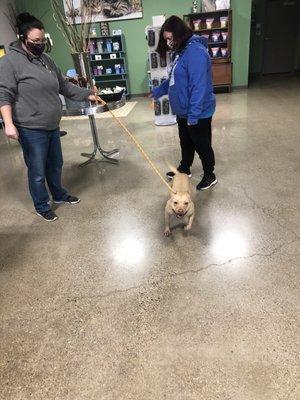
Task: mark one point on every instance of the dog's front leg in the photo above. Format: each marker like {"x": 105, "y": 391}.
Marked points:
{"x": 167, "y": 231}
{"x": 190, "y": 223}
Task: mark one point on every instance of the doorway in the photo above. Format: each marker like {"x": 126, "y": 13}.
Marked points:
{"x": 275, "y": 36}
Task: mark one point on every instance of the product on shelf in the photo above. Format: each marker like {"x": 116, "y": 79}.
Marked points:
{"x": 209, "y": 22}
{"x": 108, "y": 71}
{"x": 197, "y": 24}
{"x": 100, "y": 46}
{"x": 223, "y": 21}
{"x": 215, "y": 36}
{"x": 155, "y": 82}
{"x": 165, "y": 106}
{"x": 224, "y": 51}
{"x": 224, "y": 36}
{"x": 215, "y": 51}
{"x": 154, "y": 61}
{"x": 109, "y": 45}
{"x": 151, "y": 38}
{"x": 92, "y": 47}
{"x": 116, "y": 46}
{"x": 118, "y": 68}
{"x": 157, "y": 107}
{"x": 163, "y": 62}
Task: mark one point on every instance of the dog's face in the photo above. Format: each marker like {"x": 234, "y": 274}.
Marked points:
{"x": 180, "y": 203}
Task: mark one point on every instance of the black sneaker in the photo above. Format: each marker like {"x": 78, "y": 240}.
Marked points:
{"x": 70, "y": 200}
{"x": 62, "y": 133}
{"x": 170, "y": 174}
{"x": 48, "y": 215}
{"x": 207, "y": 182}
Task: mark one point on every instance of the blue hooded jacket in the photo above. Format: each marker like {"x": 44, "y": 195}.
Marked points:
{"x": 189, "y": 85}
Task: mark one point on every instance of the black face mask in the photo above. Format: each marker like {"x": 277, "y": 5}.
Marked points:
{"x": 35, "y": 48}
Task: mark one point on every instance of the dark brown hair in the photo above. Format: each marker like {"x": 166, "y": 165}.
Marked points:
{"x": 181, "y": 33}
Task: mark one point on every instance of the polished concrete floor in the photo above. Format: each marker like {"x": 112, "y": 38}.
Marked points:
{"x": 99, "y": 305}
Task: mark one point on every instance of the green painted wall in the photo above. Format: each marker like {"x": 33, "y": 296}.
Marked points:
{"x": 135, "y": 37}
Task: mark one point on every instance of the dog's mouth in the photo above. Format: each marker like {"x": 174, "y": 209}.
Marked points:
{"x": 180, "y": 214}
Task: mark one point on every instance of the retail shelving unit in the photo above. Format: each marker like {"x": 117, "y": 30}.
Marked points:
{"x": 108, "y": 62}
{"x": 217, "y": 27}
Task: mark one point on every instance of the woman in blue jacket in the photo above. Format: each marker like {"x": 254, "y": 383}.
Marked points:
{"x": 191, "y": 95}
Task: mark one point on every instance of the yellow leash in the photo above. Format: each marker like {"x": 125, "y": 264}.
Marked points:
{"x": 142, "y": 151}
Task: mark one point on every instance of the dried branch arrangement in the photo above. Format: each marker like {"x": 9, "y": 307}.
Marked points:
{"x": 76, "y": 34}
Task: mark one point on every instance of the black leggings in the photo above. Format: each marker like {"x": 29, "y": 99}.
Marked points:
{"x": 196, "y": 138}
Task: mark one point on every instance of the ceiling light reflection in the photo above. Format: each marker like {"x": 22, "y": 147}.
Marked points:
{"x": 230, "y": 244}
{"x": 130, "y": 251}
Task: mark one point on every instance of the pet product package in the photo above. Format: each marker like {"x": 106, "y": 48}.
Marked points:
{"x": 224, "y": 36}
{"x": 215, "y": 36}
{"x": 157, "y": 107}
{"x": 151, "y": 38}
{"x": 209, "y": 22}
{"x": 154, "y": 61}
{"x": 215, "y": 51}
{"x": 197, "y": 24}
{"x": 165, "y": 106}
{"x": 223, "y": 22}
{"x": 224, "y": 51}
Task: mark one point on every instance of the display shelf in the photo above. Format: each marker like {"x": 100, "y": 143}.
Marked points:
{"x": 210, "y": 29}
{"x": 105, "y": 75}
{"x": 108, "y": 59}
{"x": 221, "y": 66}
{"x": 106, "y": 53}
{"x": 104, "y": 46}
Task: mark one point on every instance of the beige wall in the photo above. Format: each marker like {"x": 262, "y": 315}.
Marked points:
{"x": 6, "y": 33}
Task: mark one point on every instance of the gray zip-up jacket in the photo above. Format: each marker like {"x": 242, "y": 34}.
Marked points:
{"x": 31, "y": 85}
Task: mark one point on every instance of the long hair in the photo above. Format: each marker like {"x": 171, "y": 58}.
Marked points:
{"x": 25, "y": 23}
{"x": 181, "y": 33}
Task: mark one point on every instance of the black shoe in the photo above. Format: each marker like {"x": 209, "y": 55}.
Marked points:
{"x": 170, "y": 174}
{"x": 48, "y": 215}
{"x": 63, "y": 133}
{"x": 207, "y": 182}
{"x": 69, "y": 200}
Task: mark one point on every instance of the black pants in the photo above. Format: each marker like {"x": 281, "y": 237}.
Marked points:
{"x": 196, "y": 138}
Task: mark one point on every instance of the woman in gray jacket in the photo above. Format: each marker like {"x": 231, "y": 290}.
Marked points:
{"x": 30, "y": 84}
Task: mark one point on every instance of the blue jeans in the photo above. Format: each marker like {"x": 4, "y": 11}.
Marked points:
{"x": 43, "y": 157}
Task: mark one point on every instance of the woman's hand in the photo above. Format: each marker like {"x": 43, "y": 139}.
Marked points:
{"x": 94, "y": 97}
{"x": 11, "y": 132}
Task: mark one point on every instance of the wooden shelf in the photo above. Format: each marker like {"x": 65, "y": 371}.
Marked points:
{"x": 108, "y": 59}
{"x": 221, "y": 66}
{"x": 104, "y": 75}
{"x": 210, "y": 30}
{"x": 106, "y": 53}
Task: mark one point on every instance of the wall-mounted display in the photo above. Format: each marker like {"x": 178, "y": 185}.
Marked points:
{"x": 158, "y": 73}
{"x": 105, "y": 10}
{"x": 213, "y": 5}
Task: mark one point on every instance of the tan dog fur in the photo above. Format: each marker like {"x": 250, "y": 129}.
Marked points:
{"x": 180, "y": 204}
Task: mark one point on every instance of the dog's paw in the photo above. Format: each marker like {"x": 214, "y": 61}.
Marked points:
{"x": 167, "y": 232}
{"x": 187, "y": 227}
